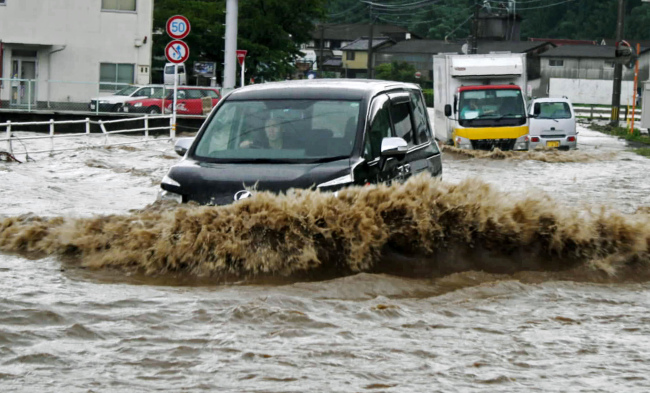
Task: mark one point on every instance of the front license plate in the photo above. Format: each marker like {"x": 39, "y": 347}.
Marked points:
{"x": 553, "y": 144}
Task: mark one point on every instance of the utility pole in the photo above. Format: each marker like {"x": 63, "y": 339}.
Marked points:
{"x": 230, "y": 55}
{"x": 618, "y": 67}
{"x": 474, "y": 48}
{"x": 372, "y": 24}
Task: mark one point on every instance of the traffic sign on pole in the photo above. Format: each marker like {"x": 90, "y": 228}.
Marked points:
{"x": 178, "y": 27}
{"x": 177, "y": 52}
{"x": 241, "y": 55}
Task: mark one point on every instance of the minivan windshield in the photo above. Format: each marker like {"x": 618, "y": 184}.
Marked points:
{"x": 554, "y": 110}
{"x": 280, "y": 131}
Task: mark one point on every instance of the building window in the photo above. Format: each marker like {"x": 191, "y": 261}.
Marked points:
{"x": 113, "y": 77}
{"x": 118, "y": 5}
{"x": 556, "y": 63}
{"x": 349, "y": 55}
{"x": 2, "y": 2}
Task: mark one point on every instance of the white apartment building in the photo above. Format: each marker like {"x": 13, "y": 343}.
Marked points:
{"x": 72, "y": 49}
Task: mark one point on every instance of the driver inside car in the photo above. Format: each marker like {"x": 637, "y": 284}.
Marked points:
{"x": 273, "y": 137}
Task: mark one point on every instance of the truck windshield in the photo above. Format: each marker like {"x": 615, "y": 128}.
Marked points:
{"x": 491, "y": 104}
{"x": 280, "y": 131}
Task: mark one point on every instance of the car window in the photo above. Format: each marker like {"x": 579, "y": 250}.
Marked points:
{"x": 211, "y": 93}
{"x": 554, "y": 110}
{"x": 194, "y": 93}
{"x": 420, "y": 117}
{"x": 401, "y": 115}
{"x": 379, "y": 128}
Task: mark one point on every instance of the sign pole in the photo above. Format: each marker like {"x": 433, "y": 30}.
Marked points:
{"x": 173, "y": 130}
{"x": 636, "y": 84}
{"x": 243, "y": 66}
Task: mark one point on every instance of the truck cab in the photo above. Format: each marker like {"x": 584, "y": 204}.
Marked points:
{"x": 490, "y": 116}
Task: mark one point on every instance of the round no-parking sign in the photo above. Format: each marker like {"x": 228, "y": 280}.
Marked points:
{"x": 177, "y": 52}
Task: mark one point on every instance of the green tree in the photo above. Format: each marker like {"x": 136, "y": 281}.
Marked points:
{"x": 576, "y": 19}
{"x": 396, "y": 71}
{"x": 270, "y": 30}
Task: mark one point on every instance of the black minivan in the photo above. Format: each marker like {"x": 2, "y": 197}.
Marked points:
{"x": 325, "y": 134}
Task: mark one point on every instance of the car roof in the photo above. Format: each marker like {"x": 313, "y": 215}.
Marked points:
{"x": 343, "y": 89}
{"x": 552, "y": 99}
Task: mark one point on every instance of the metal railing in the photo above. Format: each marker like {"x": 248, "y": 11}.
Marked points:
{"x": 599, "y": 112}
{"x": 10, "y": 138}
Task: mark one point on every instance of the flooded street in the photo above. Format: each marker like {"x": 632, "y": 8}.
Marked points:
{"x": 507, "y": 277}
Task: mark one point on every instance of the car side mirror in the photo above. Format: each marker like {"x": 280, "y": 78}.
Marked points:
{"x": 392, "y": 147}
{"x": 183, "y": 145}
{"x": 537, "y": 109}
{"x": 448, "y": 110}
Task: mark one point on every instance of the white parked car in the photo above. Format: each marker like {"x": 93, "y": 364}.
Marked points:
{"x": 552, "y": 123}
{"x": 169, "y": 74}
{"x": 115, "y": 102}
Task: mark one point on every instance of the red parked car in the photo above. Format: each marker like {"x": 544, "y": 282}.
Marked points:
{"x": 188, "y": 102}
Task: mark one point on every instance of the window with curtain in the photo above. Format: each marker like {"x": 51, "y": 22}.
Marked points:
{"x": 118, "y": 5}
{"x": 112, "y": 77}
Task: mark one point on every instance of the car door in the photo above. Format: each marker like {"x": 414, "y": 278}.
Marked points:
{"x": 378, "y": 127}
{"x": 193, "y": 102}
{"x": 425, "y": 155}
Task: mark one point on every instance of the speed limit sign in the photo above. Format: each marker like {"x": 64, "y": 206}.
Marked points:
{"x": 178, "y": 27}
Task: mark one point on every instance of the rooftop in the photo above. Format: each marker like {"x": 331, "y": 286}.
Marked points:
{"x": 361, "y": 44}
{"x": 438, "y": 46}
{"x": 584, "y": 51}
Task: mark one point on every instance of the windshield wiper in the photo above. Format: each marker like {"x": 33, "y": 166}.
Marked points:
{"x": 327, "y": 159}
{"x": 510, "y": 115}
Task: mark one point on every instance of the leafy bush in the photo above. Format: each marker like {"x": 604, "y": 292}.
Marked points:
{"x": 428, "y": 97}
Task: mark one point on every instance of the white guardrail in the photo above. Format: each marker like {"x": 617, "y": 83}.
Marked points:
{"x": 10, "y": 130}
{"x": 604, "y": 112}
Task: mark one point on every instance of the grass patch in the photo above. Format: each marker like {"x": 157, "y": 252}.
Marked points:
{"x": 644, "y": 151}
{"x": 622, "y": 132}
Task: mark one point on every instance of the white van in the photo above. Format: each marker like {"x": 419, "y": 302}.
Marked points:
{"x": 169, "y": 74}
{"x": 552, "y": 123}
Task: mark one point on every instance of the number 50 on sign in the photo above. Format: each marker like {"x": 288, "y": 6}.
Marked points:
{"x": 178, "y": 27}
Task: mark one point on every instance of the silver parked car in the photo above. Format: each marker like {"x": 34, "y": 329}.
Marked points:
{"x": 552, "y": 123}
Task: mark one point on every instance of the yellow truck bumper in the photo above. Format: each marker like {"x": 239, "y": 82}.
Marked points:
{"x": 491, "y": 132}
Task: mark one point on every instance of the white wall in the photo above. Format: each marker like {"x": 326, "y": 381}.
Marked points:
{"x": 590, "y": 91}
{"x": 90, "y": 36}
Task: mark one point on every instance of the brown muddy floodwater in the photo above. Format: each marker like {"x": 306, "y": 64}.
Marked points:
{"x": 513, "y": 274}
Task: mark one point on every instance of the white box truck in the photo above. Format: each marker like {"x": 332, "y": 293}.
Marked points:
{"x": 479, "y": 100}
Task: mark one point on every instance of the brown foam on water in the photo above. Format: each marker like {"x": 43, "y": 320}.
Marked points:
{"x": 417, "y": 228}
{"x": 540, "y": 154}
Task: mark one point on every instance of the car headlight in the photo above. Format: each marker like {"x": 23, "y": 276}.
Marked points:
{"x": 522, "y": 143}
{"x": 338, "y": 182}
{"x": 137, "y": 104}
{"x": 164, "y": 195}
{"x": 463, "y": 143}
{"x": 169, "y": 181}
